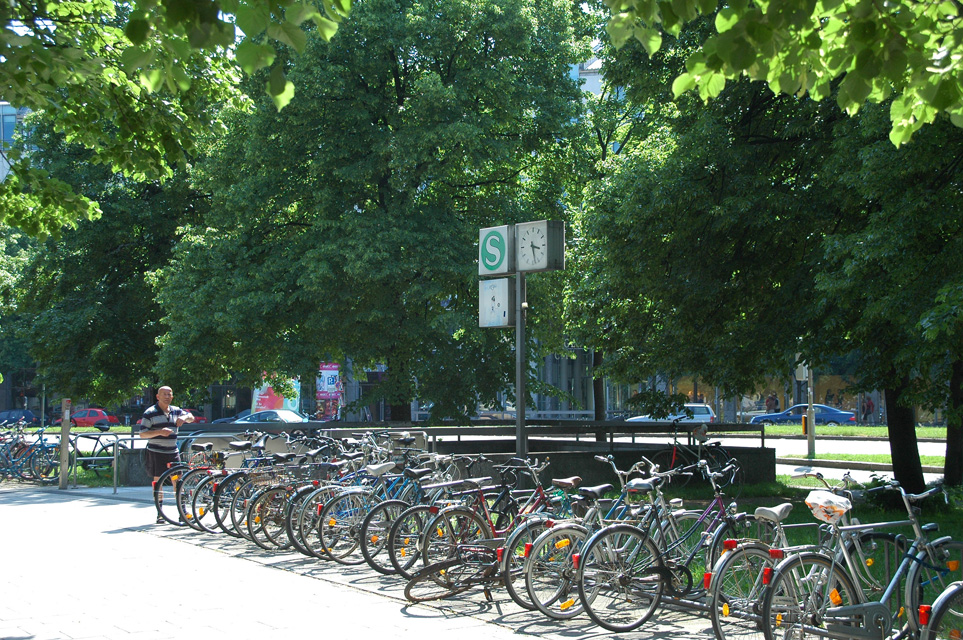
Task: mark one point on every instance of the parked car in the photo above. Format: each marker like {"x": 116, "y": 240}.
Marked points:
{"x": 199, "y": 417}
{"x": 16, "y": 415}
{"x": 701, "y": 413}
{"x": 272, "y": 415}
{"x": 793, "y": 415}
{"x": 242, "y": 414}
{"x": 90, "y": 417}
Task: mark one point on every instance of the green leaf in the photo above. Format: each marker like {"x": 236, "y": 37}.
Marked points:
{"x": 301, "y": 12}
{"x": 957, "y": 119}
{"x": 252, "y": 19}
{"x": 651, "y": 39}
{"x": 326, "y": 28}
{"x": 683, "y": 83}
{"x": 252, "y": 56}
{"x": 290, "y": 34}
{"x": 279, "y": 88}
{"x": 135, "y": 58}
{"x": 137, "y": 30}
{"x": 715, "y": 84}
{"x": 726, "y": 19}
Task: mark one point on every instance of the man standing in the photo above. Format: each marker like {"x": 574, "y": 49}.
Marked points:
{"x": 159, "y": 425}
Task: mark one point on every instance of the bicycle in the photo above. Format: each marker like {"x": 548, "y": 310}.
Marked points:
{"x": 825, "y": 593}
{"x": 943, "y": 620}
{"x": 478, "y": 563}
{"x": 679, "y": 454}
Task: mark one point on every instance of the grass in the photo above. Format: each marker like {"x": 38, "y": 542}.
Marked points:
{"x": 864, "y": 431}
{"x": 883, "y": 458}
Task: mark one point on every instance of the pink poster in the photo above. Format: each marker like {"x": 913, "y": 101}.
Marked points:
{"x": 329, "y": 392}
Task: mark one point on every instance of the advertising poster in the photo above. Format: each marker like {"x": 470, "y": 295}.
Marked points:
{"x": 265, "y": 398}
{"x": 329, "y": 392}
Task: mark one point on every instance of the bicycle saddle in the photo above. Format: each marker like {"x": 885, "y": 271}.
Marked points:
{"x": 774, "y": 514}
{"x": 567, "y": 483}
{"x": 596, "y": 492}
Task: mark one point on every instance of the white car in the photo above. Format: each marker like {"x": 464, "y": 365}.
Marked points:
{"x": 701, "y": 413}
{"x": 271, "y": 415}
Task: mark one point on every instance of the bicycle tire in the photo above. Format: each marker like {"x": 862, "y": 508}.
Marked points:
{"x": 265, "y": 522}
{"x": 878, "y": 556}
{"x": 449, "y": 528}
{"x": 223, "y": 496}
{"x": 513, "y": 571}
{"x": 308, "y": 517}
{"x": 404, "y": 539}
{"x": 339, "y": 527}
{"x": 291, "y": 517}
{"x": 239, "y": 507}
{"x": 668, "y": 460}
{"x": 202, "y": 511}
{"x": 165, "y": 495}
{"x": 736, "y": 590}
{"x": 185, "y": 494}
{"x": 934, "y": 574}
{"x": 619, "y": 583}
{"x": 743, "y": 527}
{"x": 374, "y": 534}
{"x": 104, "y": 454}
{"x": 946, "y": 616}
{"x": 803, "y": 588}
{"x": 436, "y": 581}
{"x": 550, "y": 576}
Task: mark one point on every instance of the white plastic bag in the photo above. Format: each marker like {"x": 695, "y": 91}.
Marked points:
{"x": 827, "y": 506}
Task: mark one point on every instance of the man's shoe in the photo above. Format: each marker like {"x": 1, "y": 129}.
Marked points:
{"x": 160, "y": 520}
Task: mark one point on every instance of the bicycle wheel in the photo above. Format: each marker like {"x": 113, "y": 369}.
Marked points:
{"x": 619, "y": 583}
{"x": 878, "y": 556}
{"x": 684, "y": 540}
{"x": 673, "y": 458}
{"x": 374, "y": 534}
{"x": 103, "y": 454}
{"x": 550, "y": 572}
{"x": 265, "y": 521}
{"x": 295, "y": 502}
{"x": 404, "y": 539}
{"x": 340, "y": 527}
{"x": 735, "y": 593}
{"x": 744, "y": 527}
{"x": 946, "y": 617}
{"x": 804, "y": 597}
{"x": 513, "y": 571}
{"x": 185, "y": 494}
{"x": 240, "y": 503}
{"x": 165, "y": 495}
{"x": 934, "y": 574}
{"x": 202, "y": 511}
{"x": 223, "y": 497}
{"x": 45, "y": 464}
{"x": 448, "y": 529}
{"x": 436, "y": 581}
{"x": 308, "y": 518}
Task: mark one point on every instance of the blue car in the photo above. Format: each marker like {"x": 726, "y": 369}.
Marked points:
{"x": 793, "y": 415}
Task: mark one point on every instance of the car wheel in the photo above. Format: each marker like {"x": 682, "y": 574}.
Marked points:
{"x": 832, "y": 423}
{"x": 768, "y": 422}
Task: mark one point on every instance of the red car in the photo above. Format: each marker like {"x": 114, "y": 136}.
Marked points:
{"x": 90, "y": 417}
{"x": 199, "y": 417}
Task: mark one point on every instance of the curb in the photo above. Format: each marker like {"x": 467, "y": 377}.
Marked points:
{"x": 845, "y": 464}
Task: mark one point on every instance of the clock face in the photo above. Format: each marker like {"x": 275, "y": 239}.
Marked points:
{"x": 532, "y": 247}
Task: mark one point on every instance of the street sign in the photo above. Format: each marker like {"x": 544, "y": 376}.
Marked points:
{"x": 496, "y": 303}
{"x": 496, "y": 250}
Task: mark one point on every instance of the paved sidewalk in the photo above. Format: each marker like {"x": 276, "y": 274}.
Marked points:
{"x": 82, "y": 563}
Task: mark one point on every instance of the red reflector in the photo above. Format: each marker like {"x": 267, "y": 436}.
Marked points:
{"x": 729, "y": 545}
{"x": 215, "y": 485}
{"x": 316, "y": 483}
{"x": 925, "y": 610}
{"x": 575, "y": 560}
{"x": 706, "y": 579}
{"x": 766, "y": 575}
{"x": 777, "y": 554}
{"x": 501, "y": 553}
{"x": 528, "y": 549}
{"x": 549, "y": 523}
{"x": 433, "y": 510}
{"x": 320, "y": 509}
{"x": 153, "y": 484}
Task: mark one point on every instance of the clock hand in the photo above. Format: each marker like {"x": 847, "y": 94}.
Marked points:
{"x": 534, "y": 257}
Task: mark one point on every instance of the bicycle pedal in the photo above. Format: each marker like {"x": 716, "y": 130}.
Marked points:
{"x": 488, "y": 594}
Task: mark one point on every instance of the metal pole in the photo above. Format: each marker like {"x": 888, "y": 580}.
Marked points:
{"x": 65, "y": 444}
{"x": 811, "y": 417}
{"x": 521, "y": 440}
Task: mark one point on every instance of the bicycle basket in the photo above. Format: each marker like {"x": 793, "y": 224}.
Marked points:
{"x": 827, "y": 506}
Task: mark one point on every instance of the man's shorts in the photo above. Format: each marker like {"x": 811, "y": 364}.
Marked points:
{"x": 157, "y": 462}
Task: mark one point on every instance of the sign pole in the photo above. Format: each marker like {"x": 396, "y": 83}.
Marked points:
{"x": 65, "y": 443}
{"x": 521, "y": 439}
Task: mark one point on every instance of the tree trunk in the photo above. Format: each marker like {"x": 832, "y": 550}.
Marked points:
{"x": 400, "y": 412}
{"x": 902, "y": 439}
{"x": 598, "y": 394}
{"x": 953, "y": 467}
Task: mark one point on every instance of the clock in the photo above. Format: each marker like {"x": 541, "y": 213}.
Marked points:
{"x": 540, "y": 245}
{"x": 496, "y": 300}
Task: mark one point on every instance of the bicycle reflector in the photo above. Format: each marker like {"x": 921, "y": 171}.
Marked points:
{"x": 549, "y": 523}
{"x": 576, "y": 558}
{"x": 528, "y": 549}
{"x": 925, "y": 610}
{"x": 729, "y": 545}
{"x": 433, "y": 510}
{"x": 767, "y": 575}
{"x": 777, "y": 554}
{"x": 706, "y": 579}
{"x": 501, "y": 554}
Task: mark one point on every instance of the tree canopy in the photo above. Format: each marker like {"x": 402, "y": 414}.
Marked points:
{"x": 852, "y": 50}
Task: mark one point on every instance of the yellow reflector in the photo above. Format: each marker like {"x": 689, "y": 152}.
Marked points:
{"x": 561, "y": 544}
{"x": 402, "y": 553}
{"x": 175, "y": 478}
{"x": 257, "y": 519}
{"x": 441, "y": 534}
{"x": 954, "y": 634}
{"x": 567, "y": 604}
{"x": 869, "y": 562}
{"x": 835, "y": 598}
{"x": 202, "y": 511}
{"x": 725, "y": 609}
{"x": 902, "y": 610}
{"x": 407, "y": 540}
{"x": 778, "y": 619}
{"x": 374, "y": 539}
{"x": 332, "y": 522}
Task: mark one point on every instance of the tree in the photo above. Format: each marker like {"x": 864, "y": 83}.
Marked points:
{"x": 853, "y": 50}
{"x": 345, "y": 226}
{"x": 132, "y": 82}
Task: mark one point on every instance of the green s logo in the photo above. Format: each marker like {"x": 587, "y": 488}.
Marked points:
{"x": 493, "y": 251}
